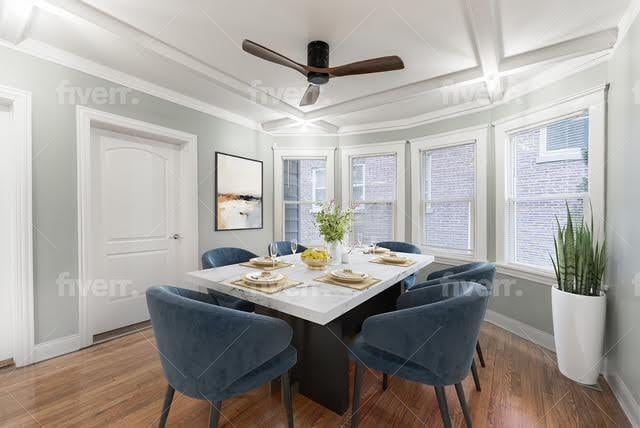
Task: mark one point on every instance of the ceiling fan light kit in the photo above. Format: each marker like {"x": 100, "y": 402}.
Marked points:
{"x": 317, "y": 71}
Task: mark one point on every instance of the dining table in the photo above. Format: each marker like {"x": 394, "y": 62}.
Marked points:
{"x": 323, "y": 316}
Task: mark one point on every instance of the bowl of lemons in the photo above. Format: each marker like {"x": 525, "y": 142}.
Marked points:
{"x": 315, "y": 258}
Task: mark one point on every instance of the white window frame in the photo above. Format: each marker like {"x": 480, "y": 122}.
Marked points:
{"x": 396, "y": 148}
{"x": 546, "y": 155}
{"x": 479, "y": 137}
{"x": 281, "y": 154}
{"x": 594, "y": 103}
{"x": 363, "y": 167}
{"x": 314, "y": 182}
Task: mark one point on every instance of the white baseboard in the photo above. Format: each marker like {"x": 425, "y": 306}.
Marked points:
{"x": 56, "y": 347}
{"x": 624, "y": 396}
{"x": 521, "y": 329}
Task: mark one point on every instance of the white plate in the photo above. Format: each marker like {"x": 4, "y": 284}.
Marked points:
{"x": 379, "y": 250}
{"x": 353, "y": 277}
{"x": 263, "y": 278}
{"x": 262, "y": 261}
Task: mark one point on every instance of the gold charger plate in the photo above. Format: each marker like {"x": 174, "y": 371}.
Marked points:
{"x": 369, "y": 282}
{"x": 406, "y": 263}
{"x": 268, "y": 289}
{"x": 279, "y": 265}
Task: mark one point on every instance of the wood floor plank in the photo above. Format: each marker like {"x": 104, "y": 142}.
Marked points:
{"x": 120, "y": 383}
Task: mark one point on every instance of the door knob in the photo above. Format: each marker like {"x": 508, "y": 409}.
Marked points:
{"x": 175, "y": 236}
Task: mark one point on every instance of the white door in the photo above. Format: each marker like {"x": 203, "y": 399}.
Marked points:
{"x": 134, "y": 226}
{"x": 7, "y": 283}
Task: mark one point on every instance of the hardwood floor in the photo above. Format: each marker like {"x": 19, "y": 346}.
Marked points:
{"x": 120, "y": 383}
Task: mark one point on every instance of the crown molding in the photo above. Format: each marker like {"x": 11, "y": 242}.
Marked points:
{"x": 628, "y": 18}
{"x": 58, "y": 56}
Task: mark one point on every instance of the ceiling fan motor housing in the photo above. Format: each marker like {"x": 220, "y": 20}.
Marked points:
{"x": 318, "y": 56}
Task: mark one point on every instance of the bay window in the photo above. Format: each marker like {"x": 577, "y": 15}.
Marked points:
{"x": 373, "y": 183}
{"x": 547, "y": 161}
{"x": 449, "y": 194}
{"x": 303, "y": 181}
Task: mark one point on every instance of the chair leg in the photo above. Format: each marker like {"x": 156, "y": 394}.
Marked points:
{"x": 357, "y": 386}
{"x": 476, "y": 378}
{"x": 286, "y": 389}
{"x": 214, "y": 417}
{"x": 480, "y": 356}
{"x": 385, "y": 381}
{"x": 463, "y": 404}
{"x": 444, "y": 409}
{"x": 168, "y": 399}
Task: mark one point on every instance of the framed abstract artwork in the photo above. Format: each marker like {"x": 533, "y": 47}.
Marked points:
{"x": 239, "y": 189}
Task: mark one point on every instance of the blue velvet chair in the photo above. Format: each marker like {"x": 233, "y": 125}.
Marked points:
{"x": 430, "y": 343}
{"x": 213, "y": 353}
{"x": 284, "y": 248}
{"x": 478, "y": 272}
{"x": 225, "y": 256}
{"x": 402, "y": 247}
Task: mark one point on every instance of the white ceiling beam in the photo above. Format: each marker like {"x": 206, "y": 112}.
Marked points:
{"x": 16, "y": 16}
{"x": 592, "y": 43}
{"x": 481, "y": 17}
{"x": 122, "y": 29}
{"x": 377, "y": 99}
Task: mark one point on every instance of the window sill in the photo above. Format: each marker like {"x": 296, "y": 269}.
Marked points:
{"x": 524, "y": 272}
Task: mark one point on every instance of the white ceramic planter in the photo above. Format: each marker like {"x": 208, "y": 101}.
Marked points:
{"x": 578, "y": 330}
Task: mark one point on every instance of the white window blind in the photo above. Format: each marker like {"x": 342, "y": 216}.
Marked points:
{"x": 373, "y": 193}
{"x": 538, "y": 192}
{"x": 304, "y": 190}
{"x": 448, "y": 197}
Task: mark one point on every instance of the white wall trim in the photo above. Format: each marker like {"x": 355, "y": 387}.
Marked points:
{"x": 521, "y": 329}
{"x": 55, "y": 55}
{"x": 21, "y": 227}
{"x": 625, "y": 397}
{"x": 478, "y": 136}
{"x": 87, "y": 118}
{"x": 282, "y": 153}
{"x": 628, "y": 18}
{"x": 55, "y": 348}
{"x": 396, "y": 148}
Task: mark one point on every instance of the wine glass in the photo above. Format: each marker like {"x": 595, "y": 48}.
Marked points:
{"x": 374, "y": 244}
{"x": 359, "y": 239}
{"x": 273, "y": 253}
{"x": 294, "y": 246}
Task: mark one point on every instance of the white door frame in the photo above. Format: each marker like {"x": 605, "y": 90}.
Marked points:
{"x": 21, "y": 228}
{"x": 86, "y": 120}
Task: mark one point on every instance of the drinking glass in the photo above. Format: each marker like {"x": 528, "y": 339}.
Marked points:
{"x": 273, "y": 253}
{"x": 374, "y": 244}
{"x": 294, "y": 246}
{"x": 359, "y": 239}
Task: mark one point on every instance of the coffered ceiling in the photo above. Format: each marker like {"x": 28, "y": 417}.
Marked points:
{"x": 458, "y": 54}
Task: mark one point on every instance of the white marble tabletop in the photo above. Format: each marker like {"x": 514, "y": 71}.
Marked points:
{"x": 313, "y": 301}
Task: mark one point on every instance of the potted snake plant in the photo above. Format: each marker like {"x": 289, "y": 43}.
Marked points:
{"x": 578, "y": 300}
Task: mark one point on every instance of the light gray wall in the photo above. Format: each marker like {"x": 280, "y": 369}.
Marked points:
{"x": 522, "y": 300}
{"x": 54, "y": 176}
{"x": 623, "y": 212}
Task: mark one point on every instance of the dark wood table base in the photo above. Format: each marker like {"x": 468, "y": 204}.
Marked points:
{"x": 322, "y": 371}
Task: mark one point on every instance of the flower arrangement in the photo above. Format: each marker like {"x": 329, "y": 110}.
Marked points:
{"x": 333, "y": 222}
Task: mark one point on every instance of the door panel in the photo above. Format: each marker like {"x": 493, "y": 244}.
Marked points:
{"x": 135, "y": 184}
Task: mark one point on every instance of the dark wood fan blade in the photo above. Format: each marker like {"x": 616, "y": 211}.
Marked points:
{"x": 272, "y": 56}
{"x": 310, "y": 96}
{"x": 374, "y": 65}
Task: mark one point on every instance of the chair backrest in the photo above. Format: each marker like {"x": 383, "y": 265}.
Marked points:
{"x": 481, "y": 273}
{"x": 225, "y": 256}
{"x": 203, "y": 347}
{"x": 284, "y": 248}
{"x": 441, "y": 336}
{"x": 401, "y": 247}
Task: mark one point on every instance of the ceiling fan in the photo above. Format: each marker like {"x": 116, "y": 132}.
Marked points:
{"x": 317, "y": 70}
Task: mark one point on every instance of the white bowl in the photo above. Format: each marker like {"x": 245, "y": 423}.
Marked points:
{"x": 349, "y": 276}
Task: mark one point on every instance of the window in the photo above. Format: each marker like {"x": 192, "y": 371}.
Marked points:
{"x": 534, "y": 191}
{"x": 318, "y": 183}
{"x": 373, "y": 184}
{"x": 449, "y": 202}
{"x": 303, "y": 182}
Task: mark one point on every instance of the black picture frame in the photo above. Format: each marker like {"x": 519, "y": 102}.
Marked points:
{"x": 216, "y": 218}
